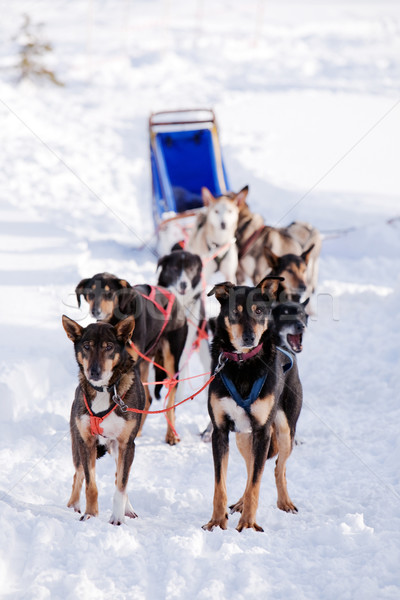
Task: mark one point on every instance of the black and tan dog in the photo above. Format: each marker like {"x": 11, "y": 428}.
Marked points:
{"x": 101, "y": 419}
{"x": 256, "y": 393}
{"x": 293, "y": 269}
{"x": 290, "y": 321}
{"x": 160, "y": 329}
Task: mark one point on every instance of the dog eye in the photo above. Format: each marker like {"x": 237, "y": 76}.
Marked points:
{"x": 258, "y": 310}
{"x": 109, "y": 347}
{"x": 90, "y": 296}
{"x": 235, "y": 312}
{"x": 86, "y": 345}
{"x": 108, "y": 295}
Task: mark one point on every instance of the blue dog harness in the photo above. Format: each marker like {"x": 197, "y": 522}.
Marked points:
{"x": 257, "y": 386}
{"x": 288, "y": 365}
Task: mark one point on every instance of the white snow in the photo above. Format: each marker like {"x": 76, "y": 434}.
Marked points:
{"x": 306, "y": 95}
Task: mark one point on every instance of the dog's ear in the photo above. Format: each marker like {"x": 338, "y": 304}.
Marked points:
{"x": 221, "y": 290}
{"x": 306, "y": 254}
{"x": 240, "y": 198}
{"x": 304, "y": 304}
{"x": 125, "y": 328}
{"x": 161, "y": 262}
{"x": 269, "y": 286}
{"x": 207, "y": 197}
{"x": 272, "y": 259}
{"x": 72, "y": 328}
{"x": 123, "y": 283}
{"x": 80, "y": 289}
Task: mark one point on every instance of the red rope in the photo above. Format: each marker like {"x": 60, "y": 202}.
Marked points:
{"x": 156, "y": 412}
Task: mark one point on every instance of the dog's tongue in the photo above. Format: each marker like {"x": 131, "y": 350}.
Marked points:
{"x": 295, "y": 342}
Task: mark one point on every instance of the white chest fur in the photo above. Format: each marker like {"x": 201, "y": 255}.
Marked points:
{"x": 237, "y": 414}
{"x": 112, "y": 425}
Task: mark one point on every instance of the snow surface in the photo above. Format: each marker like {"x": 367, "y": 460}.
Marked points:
{"x": 307, "y": 98}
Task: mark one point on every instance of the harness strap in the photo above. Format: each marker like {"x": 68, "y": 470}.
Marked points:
{"x": 244, "y": 403}
{"x": 250, "y": 242}
{"x": 216, "y": 257}
{"x": 257, "y": 386}
{"x": 202, "y": 333}
{"x": 97, "y": 418}
{"x": 288, "y": 365}
{"x": 166, "y": 312}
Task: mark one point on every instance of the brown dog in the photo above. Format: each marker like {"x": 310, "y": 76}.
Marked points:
{"x": 293, "y": 269}
{"x": 256, "y": 241}
{"x": 109, "y": 385}
{"x": 256, "y": 393}
{"x": 160, "y": 325}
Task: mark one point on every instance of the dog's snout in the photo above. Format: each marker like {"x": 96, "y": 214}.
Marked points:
{"x": 95, "y": 372}
{"x": 300, "y": 327}
{"x": 302, "y": 287}
{"x": 183, "y": 285}
{"x": 248, "y": 339}
{"x": 96, "y": 312}
{"x": 223, "y": 225}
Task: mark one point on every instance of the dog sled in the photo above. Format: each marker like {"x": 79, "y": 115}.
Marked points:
{"x": 185, "y": 156}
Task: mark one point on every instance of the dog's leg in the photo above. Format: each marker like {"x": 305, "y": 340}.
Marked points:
{"x": 284, "y": 450}
{"x": 144, "y": 376}
{"x": 172, "y": 348}
{"x": 254, "y": 450}
{"x": 88, "y": 457}
{"x": 220, "y": 445}
{"x": 126, "y": 452}
{"x": 229, "y": 265}
{"x": 243, "y": 442}
{"x": 170, "y": 364}
{"x": 74, "y": 501}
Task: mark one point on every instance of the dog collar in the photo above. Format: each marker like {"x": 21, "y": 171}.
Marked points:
{"x": 241, "y": 356}
{"x": 100, "y": 388}
{"x": 105, "y": 388}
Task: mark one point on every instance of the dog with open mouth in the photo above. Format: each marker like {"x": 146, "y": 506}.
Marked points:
{"x": 256, "y": 393}
{"x": 290, "y": 322}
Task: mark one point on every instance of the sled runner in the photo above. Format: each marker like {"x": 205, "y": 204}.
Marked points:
{"x": 185, "y": 156}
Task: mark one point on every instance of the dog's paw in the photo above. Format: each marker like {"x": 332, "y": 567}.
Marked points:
{"x": 287, "y": 506}
{"x": 115, "y": 520}
{"x": 244, "y": 524}
{"x": 237, "y": 507}
{"x": 129, "y": 512}
{"x": 86, "y": 517}
{"x": 223, "y": 523}
{"x": 75, "y": 506}
{"x": 171, "y": 438}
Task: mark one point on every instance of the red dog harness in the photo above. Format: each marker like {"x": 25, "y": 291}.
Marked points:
{"x": 97, "y": 419}
{"x": 166, "y": 312}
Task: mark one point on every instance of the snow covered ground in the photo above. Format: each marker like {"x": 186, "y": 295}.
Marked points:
{"x": 307, "y": 98}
